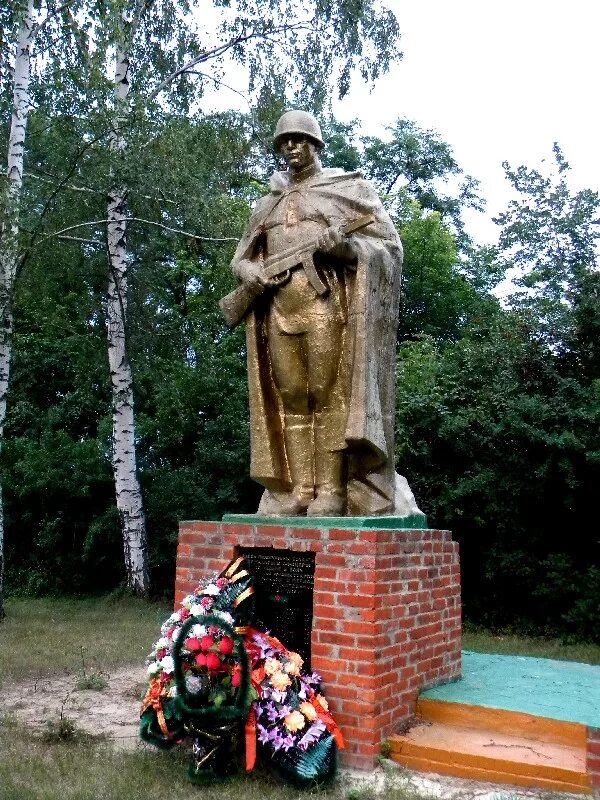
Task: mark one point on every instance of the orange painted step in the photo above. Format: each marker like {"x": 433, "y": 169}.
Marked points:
{"x": 496, "y": 719}
{"x": 492, "y": 756}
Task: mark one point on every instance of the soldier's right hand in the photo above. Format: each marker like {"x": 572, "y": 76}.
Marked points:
{"x": 250, "y": 273}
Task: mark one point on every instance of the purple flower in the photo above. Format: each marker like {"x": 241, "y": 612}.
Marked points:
{"x": 278, "y": 696}
{"x": 287, "y": 742}
{"x": 263, "y": 734}
{"x": 272, "y": 712}
{"x": 284, "y": 711}
{"x": 277, "y": 740}
{"x": 311, "y": 735}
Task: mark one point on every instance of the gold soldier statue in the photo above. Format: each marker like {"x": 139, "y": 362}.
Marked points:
{"x": 319, "y": 268}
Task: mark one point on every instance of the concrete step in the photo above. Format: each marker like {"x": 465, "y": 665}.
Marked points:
{"x": 471, "y": 742}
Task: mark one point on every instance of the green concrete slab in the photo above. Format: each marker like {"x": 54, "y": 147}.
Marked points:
{"x": 412, "y": 522}
{"x": 563, "y": 690}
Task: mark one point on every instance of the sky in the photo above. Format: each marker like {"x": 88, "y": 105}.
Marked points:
{"x": 497, "y": 81}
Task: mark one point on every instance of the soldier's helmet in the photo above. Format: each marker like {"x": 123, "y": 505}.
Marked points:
{"x": 298, "y": 122}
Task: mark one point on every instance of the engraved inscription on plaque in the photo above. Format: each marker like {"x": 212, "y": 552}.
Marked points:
{"x": 284, "y": 581}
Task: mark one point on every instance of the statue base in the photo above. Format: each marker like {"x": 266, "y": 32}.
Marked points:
{"x": 386, "y": 617}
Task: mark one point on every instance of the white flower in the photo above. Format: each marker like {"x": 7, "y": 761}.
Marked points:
{"x": 172, "y": 692}
{"x": 188, "y": 600}
{"x": 162, "y": 643}
{"x": 197, "y": 610}
{"x": 174, "y": 618}
{"x": 153, "y": 668}
{"x": 167, "y": 664}
{"x": 212, "y": 589}
{"x": 198, "y": 630}
{"x": 193, "y": 684}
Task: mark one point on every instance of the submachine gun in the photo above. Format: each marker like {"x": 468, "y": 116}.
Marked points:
{"x": 237, "y": 303}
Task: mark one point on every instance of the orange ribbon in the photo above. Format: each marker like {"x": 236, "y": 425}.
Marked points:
{"x": 250, "y": 732}
{"x": 153, "y": 699}
{"x": 328, "y": 721}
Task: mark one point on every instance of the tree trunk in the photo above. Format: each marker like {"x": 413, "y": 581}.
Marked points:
{"x": 127, "y": 487}
{"x": 9, "y": 234}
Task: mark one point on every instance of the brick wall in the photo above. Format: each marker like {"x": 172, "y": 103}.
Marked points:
{"x": 593, "y": 756}
{"x": 386, "y": 614}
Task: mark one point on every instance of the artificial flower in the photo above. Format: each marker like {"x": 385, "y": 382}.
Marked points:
{"x": 296, "y": 658}
{"x": 322, "y": 702}
{"x": 153, "y": 668}
{"x": 272, "y": 665}
{"x": 226, "y": 645}
{"x": 280, "y": 681}
{"x": 167, "y": 664}
{"x": 294, "y": 721}
{"x": 207, "y": 642}
{"x": 213, "y": 662}
{"x": 309, "y": 711}
{"x": 292, "y": 668}
{"x": 193, "y": 684}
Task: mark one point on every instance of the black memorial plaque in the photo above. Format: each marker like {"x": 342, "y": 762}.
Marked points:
{"x": 284, "y": 581}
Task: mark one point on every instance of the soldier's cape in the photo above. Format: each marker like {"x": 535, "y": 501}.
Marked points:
{"x": 373, "y": 293}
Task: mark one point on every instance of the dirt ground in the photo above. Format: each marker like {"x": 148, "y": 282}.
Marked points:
{"x": 112, "y": 712}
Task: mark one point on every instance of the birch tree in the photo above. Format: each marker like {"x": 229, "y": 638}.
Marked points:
{"x": 9, "y": 232}
{"x": 158, "y": 57}
{"x": 52, "y": 30}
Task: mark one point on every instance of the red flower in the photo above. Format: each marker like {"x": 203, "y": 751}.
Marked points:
{"x": 206, "y": 642}
{"x": 200, "y": 660}
{"x": 213, "y": 630}
{"x": 213, "y": 662}
{"x": 184, "y": 614}
{"x": 226, "y": 645}
{"x": 236, "y": 679}
{"x": 207, "y": 602}
{"x": 221, "y": 582}
{"x": 160, "y": 654}
{"x": 193, "y": 643}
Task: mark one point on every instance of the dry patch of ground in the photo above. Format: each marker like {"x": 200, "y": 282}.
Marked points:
{"x": 112, "y": 712}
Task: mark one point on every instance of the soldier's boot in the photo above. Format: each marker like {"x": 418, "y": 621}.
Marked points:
{"x": 330, "y": 471}
{"x": 298, "y": 433}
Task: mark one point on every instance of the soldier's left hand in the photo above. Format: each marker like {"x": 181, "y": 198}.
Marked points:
{"x": 333, "y": 241}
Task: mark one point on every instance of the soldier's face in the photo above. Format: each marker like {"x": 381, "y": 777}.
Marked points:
{"x": 298, "y": 152}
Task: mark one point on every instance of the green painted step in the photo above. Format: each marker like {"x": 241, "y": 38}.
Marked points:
{"x": 412, "y": 522}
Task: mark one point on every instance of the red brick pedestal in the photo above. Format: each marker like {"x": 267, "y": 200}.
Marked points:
{"x": 386, "y": 612}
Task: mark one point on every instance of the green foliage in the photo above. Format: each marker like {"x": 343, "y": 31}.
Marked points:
{"x": 550, "y": 234}
{"x": 415, "y": 163}
{"x": 63, "y": 729}
{"x": 95, "y": 682}
{"x": 502, "y": 446}
{"x": 438, "y": 300}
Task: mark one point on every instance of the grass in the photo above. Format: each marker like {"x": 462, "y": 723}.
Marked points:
{"x": 31, "y": 769}
{"x": 483, "y": 641}
{"x": 42, "y": 637}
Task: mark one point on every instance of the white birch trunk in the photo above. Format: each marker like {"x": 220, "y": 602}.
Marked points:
{"x": 127, "y": 487}
{"x": 9, "y": 235}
